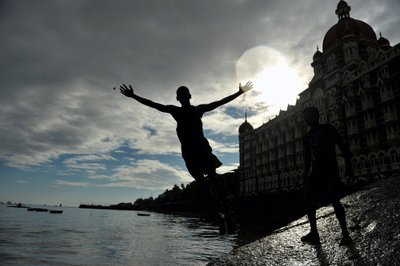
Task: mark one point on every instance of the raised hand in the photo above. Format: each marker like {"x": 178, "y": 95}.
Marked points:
{"x": 128, "y": 92}
{"x": 246, "y": 87}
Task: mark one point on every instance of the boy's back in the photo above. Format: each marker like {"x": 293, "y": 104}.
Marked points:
{"x": 319, "y": 143}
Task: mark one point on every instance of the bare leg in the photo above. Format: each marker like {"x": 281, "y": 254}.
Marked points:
{"x": 219, "y": 194}
{"x": 311, "y": 214}
{"x": 341, "y": 216}
{"x": 211, "y": 186}
{"x": 313, "y": 236}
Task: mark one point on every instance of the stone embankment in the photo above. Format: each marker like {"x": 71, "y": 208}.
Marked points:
{"x": 373, "y": 216}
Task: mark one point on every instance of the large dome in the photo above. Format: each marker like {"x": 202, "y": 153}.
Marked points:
{"x": 347, "y": 26}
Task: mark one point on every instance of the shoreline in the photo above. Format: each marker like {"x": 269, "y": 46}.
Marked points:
{"x": 372, "y": 216}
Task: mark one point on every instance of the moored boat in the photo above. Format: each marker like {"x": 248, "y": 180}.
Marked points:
{"x": 56, "y": 211}
{"x": 19, "y": 205}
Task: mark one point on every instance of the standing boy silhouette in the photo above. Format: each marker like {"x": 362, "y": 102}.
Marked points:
{"x": 196, "y": 151}
{"x": 323, "y": 183}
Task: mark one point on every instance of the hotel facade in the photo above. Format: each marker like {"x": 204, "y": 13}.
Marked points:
{"x": 356, "y": 87}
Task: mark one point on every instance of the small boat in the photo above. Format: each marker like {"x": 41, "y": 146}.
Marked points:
{"x": 143, "y": 214}
{"x": 56, "y": 211}
{"x": 37, "y": 210}
{"x": 19, "y": 205}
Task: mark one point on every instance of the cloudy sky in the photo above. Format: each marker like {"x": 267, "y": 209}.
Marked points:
{"x": 67, "y": 137}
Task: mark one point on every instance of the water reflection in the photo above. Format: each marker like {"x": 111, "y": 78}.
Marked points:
{"x": 95, "y": 237}
{"x": 83, "y": 236}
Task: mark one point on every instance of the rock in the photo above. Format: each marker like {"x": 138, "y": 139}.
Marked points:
{"x": 374, "y": 225}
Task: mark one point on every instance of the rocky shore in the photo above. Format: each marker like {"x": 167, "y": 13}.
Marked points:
{"x": 374, "y": 224}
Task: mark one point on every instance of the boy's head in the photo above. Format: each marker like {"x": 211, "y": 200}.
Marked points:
{"x": 311, "y": 115}
{"x": 183, "y": 94}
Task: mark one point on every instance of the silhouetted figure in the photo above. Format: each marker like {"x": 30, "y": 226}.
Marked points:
{"x": 322, "y": 184}
{"x": 196, "y": 151}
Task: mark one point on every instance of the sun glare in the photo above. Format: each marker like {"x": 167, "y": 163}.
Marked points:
{"x": 278, "y": 84}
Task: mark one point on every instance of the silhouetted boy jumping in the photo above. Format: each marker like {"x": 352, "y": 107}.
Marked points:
{"x": 323, "y": 183}
{"x": 196, "y": 151}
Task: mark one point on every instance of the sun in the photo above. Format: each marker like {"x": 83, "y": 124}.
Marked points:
{"x": 278, "y": 83}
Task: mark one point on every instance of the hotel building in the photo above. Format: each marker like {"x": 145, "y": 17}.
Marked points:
{"x": 356, "y": 87}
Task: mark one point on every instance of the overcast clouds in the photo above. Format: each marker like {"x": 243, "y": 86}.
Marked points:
{"x": 61, "y": 59}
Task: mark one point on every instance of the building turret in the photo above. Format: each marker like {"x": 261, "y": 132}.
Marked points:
{"x": 343, "y": 10}
{"x": 383, "y": 42}
{"x": 317, "y": 64}
{"x": 245, "y": 127}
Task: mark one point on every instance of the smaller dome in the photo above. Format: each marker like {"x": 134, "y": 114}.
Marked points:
{"x": 383, "y": 42}
{"x": 317, "y": 55}
{"x": 245, "y": 127}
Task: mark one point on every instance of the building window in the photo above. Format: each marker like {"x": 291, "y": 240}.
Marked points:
{"x": 384, "y": 72}
{"x": 367, "y": 101}
{"x": 330, "y": 97}
{"x": 350, "y": 109}
{"x": 331, "y": 62}
{"x": 350, "y": 51}
{"x": 394, "y": 156}
{"x": 371, "y": 53}
{"x": 365, "y": 81}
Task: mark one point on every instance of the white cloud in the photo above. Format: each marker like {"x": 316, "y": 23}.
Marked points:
{"x": 227, "y": 168}
{"x": 71, "y": 184}
{"x": 87, "y": 163}
{"x": 223, "y": 147}
{"x": 149, "y": 174}
{"x": 89, "y": 157}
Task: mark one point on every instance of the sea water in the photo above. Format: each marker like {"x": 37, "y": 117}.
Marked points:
{"x": 107, "y": 237}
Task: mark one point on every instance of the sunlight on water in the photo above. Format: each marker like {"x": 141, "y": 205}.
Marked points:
{"x": 107, "y": 237}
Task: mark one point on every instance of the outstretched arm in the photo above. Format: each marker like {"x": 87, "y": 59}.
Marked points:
{"x": 213, "y": 105}
{"x": 128, "y": 92}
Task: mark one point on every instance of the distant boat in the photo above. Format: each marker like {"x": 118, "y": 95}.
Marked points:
{"x": 37, "y": 210}
{"x": 143, "y": 214}
{"x": 56, "y": 211}
{"x": 19, "y": 205}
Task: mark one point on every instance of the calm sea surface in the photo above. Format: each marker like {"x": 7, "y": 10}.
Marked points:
{"x": 107, "y": 237}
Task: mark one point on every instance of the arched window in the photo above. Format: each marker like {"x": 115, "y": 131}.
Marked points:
{"x": 373, "y": 162}
{"x": 382, "y": 160}
{"x": 365, "y": 81}
{"x": 342, "y": 166}
{"x": 362, "y": 163}
{"x": 331, "y": 62}
{"x": 393, "y": 154}
{"x": 318, "y": 99}
{"x": 350, "y": 51}
{"x": 384, "y": 72}
{"x": 394, "y": 157}
{"x": 331, "y": 97}
{"x": 371, "y": 53}
{"x": 354, "y": 163}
